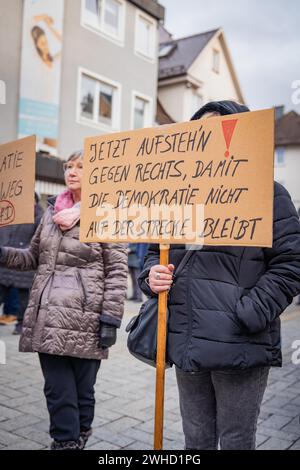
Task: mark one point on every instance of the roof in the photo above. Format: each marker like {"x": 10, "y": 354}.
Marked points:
{"x": 164, "y": 34}
{"x": 183, "y": 54}
{"x": 288, "y": 129}
{"x": 152, "y": 7}
{"x": 162, "y": 117}
{"x": 49, "y": 168}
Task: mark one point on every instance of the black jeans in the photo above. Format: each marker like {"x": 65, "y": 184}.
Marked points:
{"x": 221, "y": 407}
{"x": 69, "y": 391}
{"x": 136, "y": 291}
{"x": 23, "y": 295}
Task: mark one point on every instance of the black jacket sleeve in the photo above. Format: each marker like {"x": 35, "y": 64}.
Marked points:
{"x": 151, "y": 258}
{"x": 281, "y": 282}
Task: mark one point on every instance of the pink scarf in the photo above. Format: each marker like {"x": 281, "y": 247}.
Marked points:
{"x": 66, "y": 212}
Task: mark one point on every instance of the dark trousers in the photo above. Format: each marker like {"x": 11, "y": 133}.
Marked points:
{"x": 221, "y": 407}
{"x": 69, "y": 391}
{"x": 23, "y": 296}
{"x": 136, "y": 291}
{"x": 11, "y": 303}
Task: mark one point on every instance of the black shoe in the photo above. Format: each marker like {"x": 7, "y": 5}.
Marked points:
{"x": 18, "y": 329}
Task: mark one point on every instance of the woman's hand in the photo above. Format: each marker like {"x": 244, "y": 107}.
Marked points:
{"x": 161, "y": 277}
{"x": 108, "y": 336}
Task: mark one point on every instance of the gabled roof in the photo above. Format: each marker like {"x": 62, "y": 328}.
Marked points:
{"x": 183, "y": 54}
{"x": 164, "y": 34}
{"x": 152, "y": 7}
{"x": 288, "y": 129}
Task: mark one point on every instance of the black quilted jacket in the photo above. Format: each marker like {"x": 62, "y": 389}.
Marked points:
{"x": 225, "y": 304}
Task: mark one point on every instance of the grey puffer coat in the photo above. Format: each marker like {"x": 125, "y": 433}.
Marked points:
{"x": 76, "y": 286}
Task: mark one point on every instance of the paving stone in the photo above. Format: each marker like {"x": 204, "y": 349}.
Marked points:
{"x": 276, "y": 421}
{"x": 275, "y": 444}
{"x": 19, "y": 422}
{"x": 295, "y": 446}
{"x": 278, "y": 434}
{"x": 121, "y": 424}
{"x": 33, "y": 434}
{"x": 25, "y": 444}
{"x": 103, "y": 446}
{"x": 138, "y": 445}
{"x": 260, "y": 439}
{"x": 120, "y": 440}
{"x": 7, "y": 438}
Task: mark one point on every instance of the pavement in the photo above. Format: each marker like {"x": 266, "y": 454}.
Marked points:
{"x": 125, "y": 394}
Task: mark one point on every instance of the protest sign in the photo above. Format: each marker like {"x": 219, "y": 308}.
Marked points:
{"x": 17, "y": 178}
{"x": 208, "y": 181}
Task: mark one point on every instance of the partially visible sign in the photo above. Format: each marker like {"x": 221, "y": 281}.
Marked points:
{"x": 17, "y": 178}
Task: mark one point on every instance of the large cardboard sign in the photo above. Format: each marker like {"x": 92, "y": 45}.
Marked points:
{"x": 17, "y": 178}
{"x": 202, "y": 182}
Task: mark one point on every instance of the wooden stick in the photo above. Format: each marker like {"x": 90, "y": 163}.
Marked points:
{"x": 161, "y": 356}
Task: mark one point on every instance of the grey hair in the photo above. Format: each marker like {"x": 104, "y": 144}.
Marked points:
{"x": 75, "y": 155}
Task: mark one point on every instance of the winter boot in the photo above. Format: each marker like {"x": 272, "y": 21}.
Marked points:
{"x": 84, "y": 435}
{"x": 65, "y": 445}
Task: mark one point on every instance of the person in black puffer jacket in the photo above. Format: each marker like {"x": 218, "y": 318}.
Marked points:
{"x": 224, "y": 326}
{"x": 18, "y": 236}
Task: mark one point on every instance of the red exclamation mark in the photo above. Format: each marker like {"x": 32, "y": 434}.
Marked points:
{"x": 228, "y": 129}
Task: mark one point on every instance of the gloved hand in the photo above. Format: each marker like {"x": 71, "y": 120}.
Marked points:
{"x": 108, "y": 336}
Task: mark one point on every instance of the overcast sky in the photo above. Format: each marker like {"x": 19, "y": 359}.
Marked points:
{"x": 263, "y": 37}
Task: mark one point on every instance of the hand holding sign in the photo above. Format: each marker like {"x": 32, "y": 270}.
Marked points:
{"x": 161, "y": 277}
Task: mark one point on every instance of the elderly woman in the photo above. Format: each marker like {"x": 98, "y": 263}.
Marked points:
{"x": 76, "y": 304}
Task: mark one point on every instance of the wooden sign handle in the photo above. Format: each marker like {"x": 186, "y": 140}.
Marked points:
{"x": 161, "y": 356}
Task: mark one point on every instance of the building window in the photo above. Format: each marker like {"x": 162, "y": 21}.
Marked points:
{"x": 105, "y": 16}
{"x": 166, "y": 50}
{"x": 99, "y": 101}
{"x": 145, "y": 35}
{"x": 216, "y": 61}
{"x": 279, "y": 156}
{"x": 88, "y": 90}
{"x": 197, "y": 102}
{"x": 142, "y": 111}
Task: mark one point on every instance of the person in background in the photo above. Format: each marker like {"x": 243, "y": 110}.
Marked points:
{"x": 11, "y": 304}
{"x": 17, "y": 236}
{"x": 76, "y": 305}
{"x": 142, "y": 249}
{"x": 134, "y": 265}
